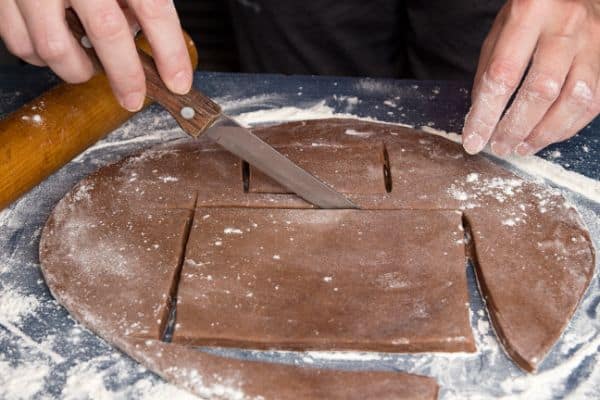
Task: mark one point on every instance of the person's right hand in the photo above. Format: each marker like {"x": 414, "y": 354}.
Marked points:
{"x": 36, "y": 31}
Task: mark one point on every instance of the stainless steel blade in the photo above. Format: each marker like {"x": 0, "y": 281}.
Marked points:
{"x": 243, "y": 143}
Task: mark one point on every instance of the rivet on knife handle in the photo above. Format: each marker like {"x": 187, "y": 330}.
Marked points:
{"x": 194, "y": 111}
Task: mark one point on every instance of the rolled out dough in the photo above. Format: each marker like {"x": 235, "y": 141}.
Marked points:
{"x": 113, "y": 249}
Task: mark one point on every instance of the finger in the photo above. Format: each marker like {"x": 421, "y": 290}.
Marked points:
{"x": 53, "y": 41}
{"x": 593, "y": 112}
{"x": 575, "y": 102}
{"x": 540, "y": 89}
{"x": 499, "y": 80}
{"x": 160, "y": 23}
{"x": 486, "y": 49}
{"x": 15, "y": 35}
{"x": 111, "y": 37}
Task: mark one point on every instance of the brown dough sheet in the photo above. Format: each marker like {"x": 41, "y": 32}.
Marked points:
{"x": 325, "y": 279}
{"x": 533, "y": 257}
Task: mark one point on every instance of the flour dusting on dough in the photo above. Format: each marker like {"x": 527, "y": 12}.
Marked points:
{"x": 538, "y": 167}
{"x": 92, "y": 379}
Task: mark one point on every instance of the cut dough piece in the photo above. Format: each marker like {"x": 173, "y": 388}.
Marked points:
{"x": 534, "y": 275}
{"x": 114, "y": 268}
{"x": 219, "y": 378}
{"x": 362, "y": 171}
{"x": 325, "y": 279}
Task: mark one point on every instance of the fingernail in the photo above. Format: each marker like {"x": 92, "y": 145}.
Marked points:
{"x": 523, "y": 149}
{"x": 133, "y": 101}
{"x": 500, "y": 149}
{"x": 473, "y": 143}
{"x": 181, "y": 83}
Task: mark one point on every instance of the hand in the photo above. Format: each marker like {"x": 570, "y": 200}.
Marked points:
{"x": 36, "y": 31}
{"x": 560, "y": 42}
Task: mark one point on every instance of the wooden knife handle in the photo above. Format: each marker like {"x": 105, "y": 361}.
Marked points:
{"x": 51, "y": 130}
{"x": 194, "y": 111}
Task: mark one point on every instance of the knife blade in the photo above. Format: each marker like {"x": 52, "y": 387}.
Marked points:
{"x": 196, "y": 113}
{"x": 243, "y": 143}
{"x": 240, "y": 141}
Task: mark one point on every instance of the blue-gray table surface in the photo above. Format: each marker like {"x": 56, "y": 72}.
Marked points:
{"x": 48, "y": 339}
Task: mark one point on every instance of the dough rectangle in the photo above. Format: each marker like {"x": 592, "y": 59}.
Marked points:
{"x": 325, "y": 279}
{"x": 363, "y": 174}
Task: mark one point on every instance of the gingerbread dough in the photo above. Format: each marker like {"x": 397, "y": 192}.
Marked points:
{"x": 112, "y": 253}
{"x": 325, "y": 279}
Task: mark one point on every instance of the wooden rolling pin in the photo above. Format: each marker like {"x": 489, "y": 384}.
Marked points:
{"x": 51, "y": 130}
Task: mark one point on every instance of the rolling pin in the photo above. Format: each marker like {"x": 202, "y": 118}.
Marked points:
{"x": 48, "y": 132}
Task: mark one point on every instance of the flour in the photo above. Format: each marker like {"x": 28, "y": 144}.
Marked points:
{"x": 87, "y": 380}
{"x": 110, "y": 375}
{"x": 317, "y": 111}
{"x": 542, "y": 169}
{"x": 22, "y": 381}
{"x": 168, "y": 179}
{"x": 14, "y": 305}
{"x": 342, "y": 355}
{"x": 352, "y": 132}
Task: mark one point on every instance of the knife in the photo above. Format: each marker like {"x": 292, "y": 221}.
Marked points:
{"x": 196, "y": 113}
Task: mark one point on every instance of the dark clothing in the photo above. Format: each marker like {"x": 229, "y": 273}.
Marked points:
{"x": 428, "y": 39}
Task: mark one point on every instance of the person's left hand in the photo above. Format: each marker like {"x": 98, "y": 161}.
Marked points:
{"x": 560, "y": 42}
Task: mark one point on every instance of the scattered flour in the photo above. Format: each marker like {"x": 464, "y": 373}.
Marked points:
{"x": 90, "y": 379}
{"x": 167, "y": 179}
{"x": 343, "y": 355}
{"x": 87, "y": 380}
{"x": 22, "y": 381}
{"x": 540, "y": 168}
{"x": 352, "y": 132}
{"x": 14, "y": 305}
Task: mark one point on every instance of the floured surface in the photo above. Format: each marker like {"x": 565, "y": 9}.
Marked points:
{"x": 325, "y": 279}
{"x": 532, "y": 255}
{"x": 93, "y": 368}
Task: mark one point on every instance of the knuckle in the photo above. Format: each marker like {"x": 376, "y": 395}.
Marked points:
{"x": 541, "y": 139}
{"x": 106, "y": 24}
{"x": 503, "y": 74}
{"x": 581, "y": 94}
{"x": 151, "y": 9}
{"x": 50, "y": 49}
{"x": 542, "y": 87}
